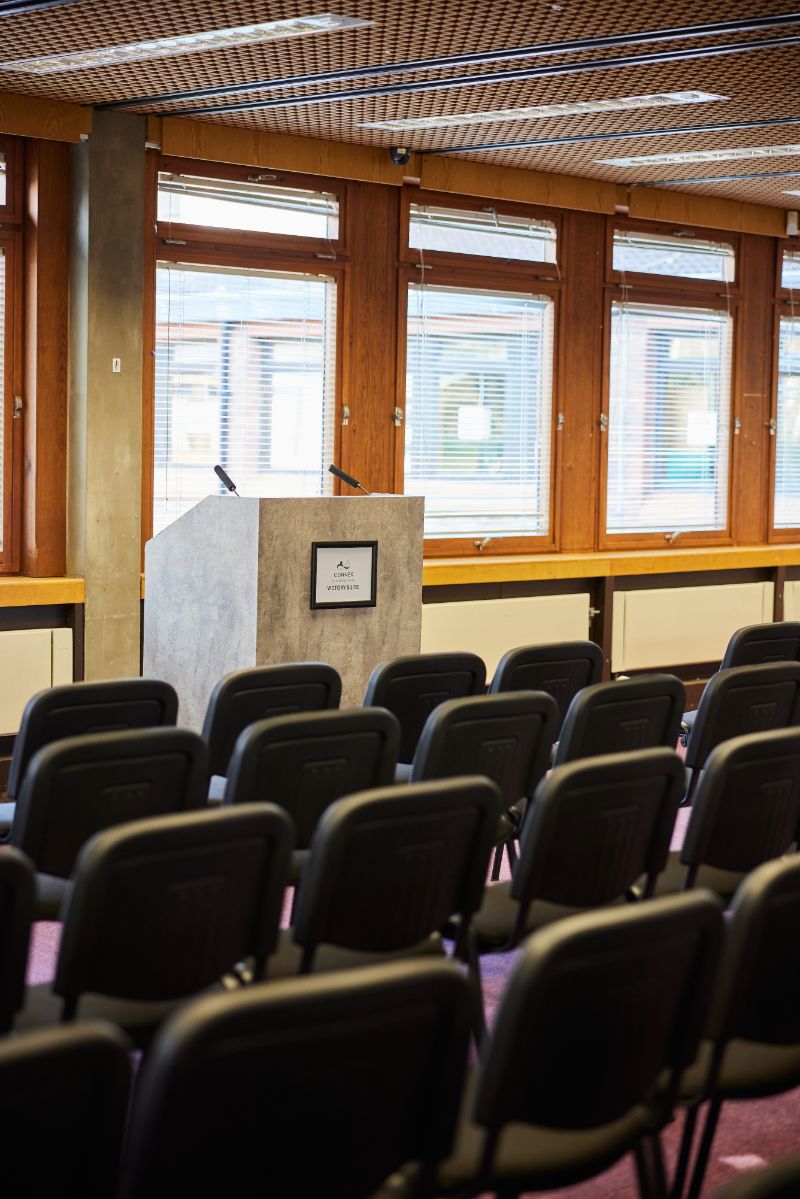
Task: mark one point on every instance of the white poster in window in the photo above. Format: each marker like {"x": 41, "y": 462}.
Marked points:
{"x": 701, "y": 428}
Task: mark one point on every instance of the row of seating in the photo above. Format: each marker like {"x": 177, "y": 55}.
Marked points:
{"x": 333, "y": 1085}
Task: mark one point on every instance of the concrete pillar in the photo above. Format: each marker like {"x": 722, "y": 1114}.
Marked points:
{"x": 105, "y": 407}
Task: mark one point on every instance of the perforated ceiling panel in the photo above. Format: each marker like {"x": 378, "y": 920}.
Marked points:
{"x": 761, "y": 84}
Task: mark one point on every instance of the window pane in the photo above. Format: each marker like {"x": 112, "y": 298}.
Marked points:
{"x": 787, "y": 447}
{"x": 255, "y": 207}
{"x": 669, "y": 419}
{"x": 245, "y": 369}
{"x": 790, "y": 271}
{"x": 654, "y": 255}
{"x": 487, "y": 232}
{"x": 479, "y": 411}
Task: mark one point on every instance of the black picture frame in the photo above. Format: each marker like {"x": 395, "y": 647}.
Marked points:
{"x": 345, "y": 546}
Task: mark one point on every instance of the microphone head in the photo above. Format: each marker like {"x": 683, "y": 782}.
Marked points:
{"x": 224, "y": 478}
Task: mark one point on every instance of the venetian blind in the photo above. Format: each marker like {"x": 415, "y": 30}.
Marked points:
{"x": 253, "y": 205}
{"x": 787, "y": 436}
{"x": 488, "y": 232}
{"x": 790, "y": 271}
{"x": 669, "y": 419}
{"x": 245, "y": 376}
{"x": 479, "y": 410}
{"x": 684, "y": 257}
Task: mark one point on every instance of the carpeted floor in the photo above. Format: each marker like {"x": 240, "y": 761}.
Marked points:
{"x": 750, "y": 1134}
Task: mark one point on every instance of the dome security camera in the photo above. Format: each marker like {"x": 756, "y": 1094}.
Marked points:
{"x": 399, "y": 155}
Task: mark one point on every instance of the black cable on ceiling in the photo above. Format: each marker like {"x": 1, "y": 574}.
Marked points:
{"x": 16, "y": 8}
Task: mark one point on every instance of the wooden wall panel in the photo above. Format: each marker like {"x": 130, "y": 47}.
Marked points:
{"x": 54, "y": 120}
{"x": 580, "y": 389}
{"x": 509, "y": 183}
{"x": 221, "y": 143}
{"x": 368, "y": 442}
{"x": 753, "y": 376}
{"x": 683, "y": 208}
{"x": 46, "y": 358}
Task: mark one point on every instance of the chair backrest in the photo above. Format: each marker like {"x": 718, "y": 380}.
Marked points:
{"x": 508, "y": 738}
{"x": 757, "y": 997}
{"x": 162, "y": 908}
{"x": 757, "y": 644}
{"x": 74, "y": 788}
{"x": 601, "y": 1014}
{"x": 747, "y": 804}
{"x": 389, "y": 867}
{"x": 80, "y": 708}
{"x": 242, "y": 698}
{"x": 347, "y": 1075}
{"x": 623, "y": 716}
{"x": 744, "y": 699}
{"x": 63, "y": 1102}
{"x": 597, "y": 825}
{"x": 17, "y": 899}
{"x": 411, "y": 687}
{"x": 562, "y": 669}
{"x": 304, "y": 763}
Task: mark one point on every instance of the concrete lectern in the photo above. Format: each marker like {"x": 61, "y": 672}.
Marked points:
{"x": 229, "y": 586}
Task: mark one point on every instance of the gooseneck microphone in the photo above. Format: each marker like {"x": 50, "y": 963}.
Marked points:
{"x": 348, "y": 479}
{"x": 225, "y": 479}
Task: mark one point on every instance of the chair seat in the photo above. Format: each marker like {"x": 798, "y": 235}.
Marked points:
{"x": 6, "y": 818}
{"x": 539, "y": 1157}
{"x": 51, "y": 891}
{"x": 670, "y": 881}
{"x": 494, "y": 922}
{"x": 139, "y": 1019}
{"x": 750, "y": 1070}
{"x": 285, "y": 962}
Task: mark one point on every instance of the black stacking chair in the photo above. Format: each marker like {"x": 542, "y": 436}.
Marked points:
{"x": 349, "y": 1077}
{"x": 779, "y": 1181}
{"x": 79, "y": 708}
{"x": 601, "y": 1015}
{"x": 746, "y": 811}
{"x": 162, "y": 909}
{"x": 63, "y": 1102}
{"x": 17, "y": 897}
{"x": 387, "y": 869}
{"x": 752, "y": 1037}
{"x": 622, "y": 716}
{"x": 594, "y": 827}
{"x": 740, "y": 700}
{"x": 411, "y": 687}
{"x": 242, "y": 698}
{"x": 304, "y": 763}
{"x": 756, "y": 645}
{"x": 508, "y": 738}
{"x": 80, "y": 785}
{"x": 562, "y": 669}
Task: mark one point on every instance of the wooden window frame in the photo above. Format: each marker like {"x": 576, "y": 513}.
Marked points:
{"x": 783, "y": 307}
{"x": 237, "y": 249}
{"x": 11, "y": 240}
{"x": 674, "y": 292}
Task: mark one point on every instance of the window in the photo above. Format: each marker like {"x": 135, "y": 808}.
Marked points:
{"x": 790, "y": 271}
{"x": 787, "y": 434}
{"x": 488, "y": 232}
{"x": 249, "y": 205}
{"x": 3, "y": 179}
{"x": 245, "y": 370}
{"x": 669, "y": 419}
{"x": 479, "y": 410}
{"x": 687, "y": 258}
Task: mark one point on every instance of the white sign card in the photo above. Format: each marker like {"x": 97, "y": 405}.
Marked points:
{"x": 344, "y": 574}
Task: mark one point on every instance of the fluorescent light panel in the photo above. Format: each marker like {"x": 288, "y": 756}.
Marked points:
{"x": 188, "y": 43}
{"x": 540, "y": 111}
{"x": 730, "y": 155}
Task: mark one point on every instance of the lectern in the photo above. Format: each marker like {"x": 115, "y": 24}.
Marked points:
{"x": 229, "y": 586}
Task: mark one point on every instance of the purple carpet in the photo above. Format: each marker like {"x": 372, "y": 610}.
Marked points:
{"x": 750, "y": 1134}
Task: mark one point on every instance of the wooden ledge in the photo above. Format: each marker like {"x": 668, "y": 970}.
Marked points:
{"x": 19, "y": 591}
{"x": 441, "y": 572}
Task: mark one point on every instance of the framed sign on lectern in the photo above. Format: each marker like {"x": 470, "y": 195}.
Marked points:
{"x": 344, "y": 574}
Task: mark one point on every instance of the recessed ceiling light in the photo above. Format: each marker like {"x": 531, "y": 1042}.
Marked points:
{"x": 792, "y": 193}
{"x": 729, "y": 155}
{"x": 539, "y": 111}
{"x": 188, "y": 43}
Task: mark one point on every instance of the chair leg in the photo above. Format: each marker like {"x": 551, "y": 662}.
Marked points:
{"x": 512, "y": 853}
{"x": 704, "y": 1151}
{"x": 685, "y": 1152}
{"x": 476, "y": 988}
{"x": 498, "y": 860}
{"x": 643, "y": 1173}
{"x": 659, "y": 1170}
